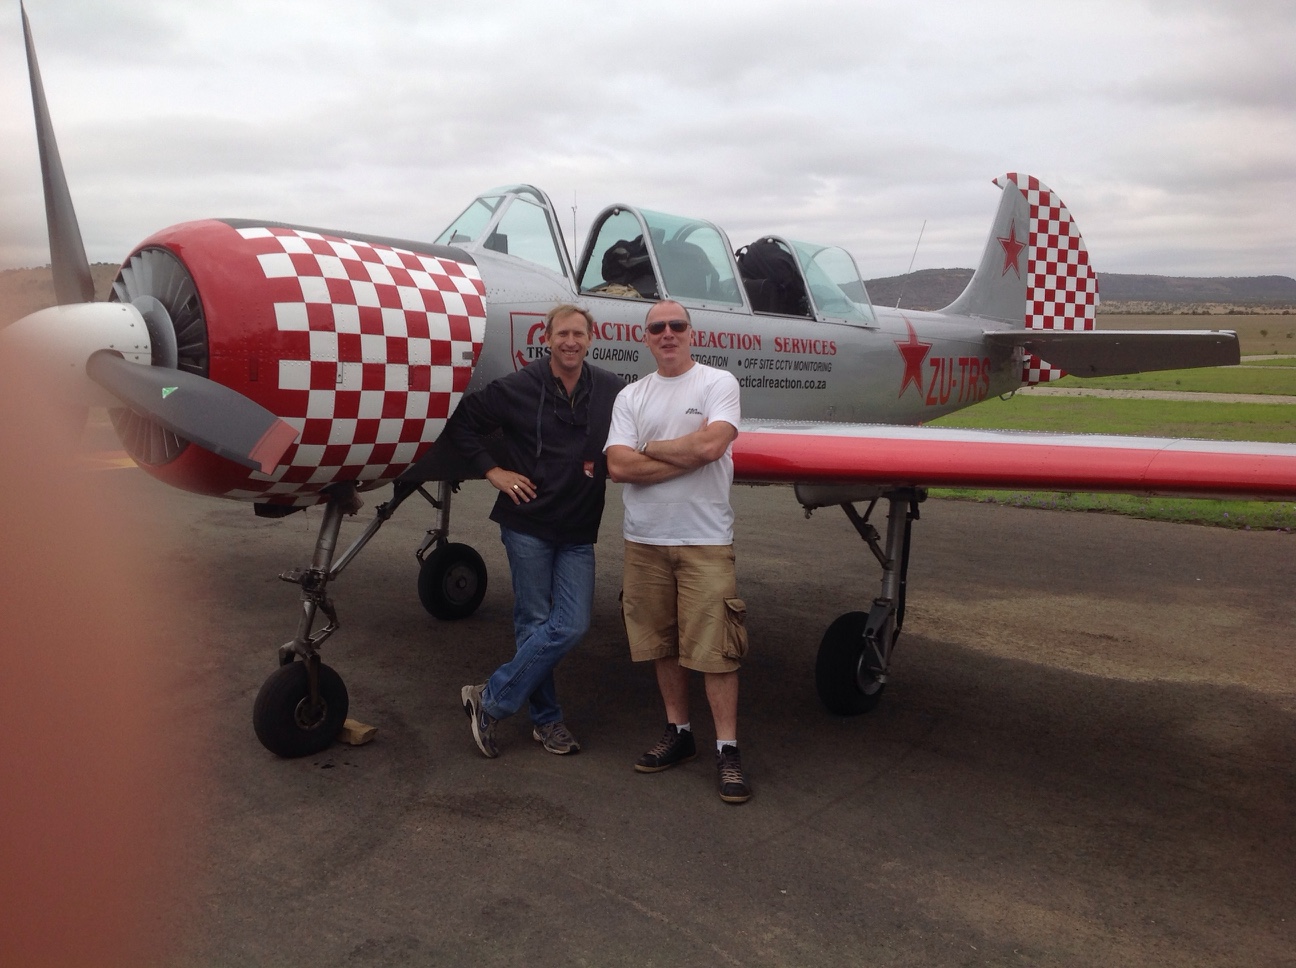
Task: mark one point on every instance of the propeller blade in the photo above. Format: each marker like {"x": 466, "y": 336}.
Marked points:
{"x": 201, "y": 410}
{"x": 72, "y": 281}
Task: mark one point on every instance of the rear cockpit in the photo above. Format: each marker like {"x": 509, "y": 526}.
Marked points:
{"x": 790, "y": 278}
{"x": 639, "y": 254}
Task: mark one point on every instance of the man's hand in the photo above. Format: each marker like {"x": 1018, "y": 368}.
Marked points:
{"x": 515, "y": 485}
{"x": 629, "y": 466}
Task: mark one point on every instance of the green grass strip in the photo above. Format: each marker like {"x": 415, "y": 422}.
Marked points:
{"x": 1143, "y": 418}
{"x": 1216, "y": 379}
{"x": 1241, "y": 515}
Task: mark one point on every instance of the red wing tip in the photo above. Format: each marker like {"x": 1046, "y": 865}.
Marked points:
{"x": 272, "y": 445}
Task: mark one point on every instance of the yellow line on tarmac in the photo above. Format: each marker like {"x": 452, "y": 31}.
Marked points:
{"x": 108, "y": 460}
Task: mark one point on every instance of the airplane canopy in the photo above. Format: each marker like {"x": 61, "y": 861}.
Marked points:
{"x": 640, "y": 254}
{"x": 836, "y": 288}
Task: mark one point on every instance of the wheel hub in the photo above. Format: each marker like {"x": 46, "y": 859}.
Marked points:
{"x": 308, "y": 716}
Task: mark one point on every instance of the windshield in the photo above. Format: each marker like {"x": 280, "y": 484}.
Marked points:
{"x": 468, "y": 226}
{"x": 835, "y": 284}
{"x": 517, "y": 221}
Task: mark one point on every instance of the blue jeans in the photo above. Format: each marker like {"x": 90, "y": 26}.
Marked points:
{"x": 553, "y": 592}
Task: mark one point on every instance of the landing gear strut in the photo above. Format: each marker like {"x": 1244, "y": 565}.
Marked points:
{"x": 452, "y": 579}
{"x": 855, "y": 653}
{"x": 302, "y": 706}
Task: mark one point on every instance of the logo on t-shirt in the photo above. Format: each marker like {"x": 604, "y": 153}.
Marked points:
{"x": 694, "y": 410}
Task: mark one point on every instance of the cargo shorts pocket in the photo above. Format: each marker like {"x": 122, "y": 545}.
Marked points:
{"x": 735, "y": 645}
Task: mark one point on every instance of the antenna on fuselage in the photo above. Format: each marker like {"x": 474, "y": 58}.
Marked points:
{"x": 911, "y": 264}
{"x": 575, "y": 247}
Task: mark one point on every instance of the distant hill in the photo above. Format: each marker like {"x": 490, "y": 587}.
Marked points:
{"x": 924, "y": 289}
{"x": 936, "y": 288}
{"x": 24, "y": 291}
{"x": 1239, "y": 290}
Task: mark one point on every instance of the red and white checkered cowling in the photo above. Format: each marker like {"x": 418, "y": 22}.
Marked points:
{"x": 365, "y": 348}
{"x": 1061, "y": 287}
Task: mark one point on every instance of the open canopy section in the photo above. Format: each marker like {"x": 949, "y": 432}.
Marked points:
{"x": 640, "y": 254}
{"x": 518, "y": 221}
{"x": 836, "y": 288}
{"x": 790, "y": 278}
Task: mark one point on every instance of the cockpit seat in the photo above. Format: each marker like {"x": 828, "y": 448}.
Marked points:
{"x": 686, "y": 270}
{"x": 769, "y": 274}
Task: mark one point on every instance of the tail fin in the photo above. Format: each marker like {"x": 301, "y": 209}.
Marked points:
{"x": 1035, "y": 270}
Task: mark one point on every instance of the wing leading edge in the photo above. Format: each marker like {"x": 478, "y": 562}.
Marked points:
{"x": 787, "y": 452}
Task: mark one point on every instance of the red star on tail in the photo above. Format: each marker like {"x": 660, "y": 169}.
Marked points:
{"x": 914, "y": 352}
{"x": 1012, "y": 249}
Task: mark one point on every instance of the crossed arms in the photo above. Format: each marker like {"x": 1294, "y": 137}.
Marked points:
{"x": 664, "y": 460}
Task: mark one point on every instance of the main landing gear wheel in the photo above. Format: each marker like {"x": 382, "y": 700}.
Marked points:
{"x": 282, "y": 715}
{"x": 846, "y": 672}
{"x": 452, "y": 581}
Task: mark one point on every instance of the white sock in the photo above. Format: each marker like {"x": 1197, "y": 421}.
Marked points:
{"x": 722, "y": 743}
{"x": 683, "y": 727}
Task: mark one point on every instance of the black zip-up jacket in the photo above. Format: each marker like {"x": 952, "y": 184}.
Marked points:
{"x": 554, "y": 439}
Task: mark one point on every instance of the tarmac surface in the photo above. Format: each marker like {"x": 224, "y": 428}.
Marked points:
{"x": 1087, "y": 755}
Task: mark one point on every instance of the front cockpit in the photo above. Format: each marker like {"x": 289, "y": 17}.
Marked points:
{"x": 640, "y": 254}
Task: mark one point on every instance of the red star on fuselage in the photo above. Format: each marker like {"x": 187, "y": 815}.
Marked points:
{"x": 914, "y": 352}
{"x": 1012, "y": 249}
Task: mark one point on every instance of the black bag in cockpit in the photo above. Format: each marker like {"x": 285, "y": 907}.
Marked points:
{"x": 627, "y": 264}
{"x": 769, "y": 273}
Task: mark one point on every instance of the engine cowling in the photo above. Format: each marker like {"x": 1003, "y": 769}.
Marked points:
{"x": 364, "y": 345}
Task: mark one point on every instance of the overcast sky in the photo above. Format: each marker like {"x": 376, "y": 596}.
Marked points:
{"x": 1167, "y": 126}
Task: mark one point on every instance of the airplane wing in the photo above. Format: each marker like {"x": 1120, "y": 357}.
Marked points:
{"x": 799, "y": 452}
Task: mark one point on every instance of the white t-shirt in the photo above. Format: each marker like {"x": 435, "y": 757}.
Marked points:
{"x": 692, "y": 509}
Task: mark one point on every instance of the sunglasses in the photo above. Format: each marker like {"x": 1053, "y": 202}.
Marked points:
{"x": 659, "y": 327}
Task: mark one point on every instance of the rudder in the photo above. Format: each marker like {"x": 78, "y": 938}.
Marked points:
{"x": 1035, "y": 270}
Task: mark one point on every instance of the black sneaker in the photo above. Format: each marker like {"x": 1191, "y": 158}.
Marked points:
{"x": 733, "y": 785}
{"x": 676, "y": 746}
{"x": 483, "y": 726}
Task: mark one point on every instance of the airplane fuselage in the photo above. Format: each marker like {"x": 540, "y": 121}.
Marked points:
{"x": 907, "y": 367}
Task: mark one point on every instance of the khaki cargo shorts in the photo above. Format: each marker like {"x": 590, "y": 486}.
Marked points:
{"x": 683, "y": 600}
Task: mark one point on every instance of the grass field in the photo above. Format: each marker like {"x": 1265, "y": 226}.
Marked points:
{"x": 1248, "y": 378}
{"x": 1261, "y": 334}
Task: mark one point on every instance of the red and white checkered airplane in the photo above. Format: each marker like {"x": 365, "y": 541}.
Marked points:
{"x": 289, "y": 366}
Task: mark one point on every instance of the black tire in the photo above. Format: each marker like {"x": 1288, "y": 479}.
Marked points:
{"x": 282, "y": 717}
{"x": 837, "y": 669}
{"x": 452, "y": 581}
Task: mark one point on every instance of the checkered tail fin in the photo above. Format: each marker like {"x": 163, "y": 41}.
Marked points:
{"x": 1035, "y": 270}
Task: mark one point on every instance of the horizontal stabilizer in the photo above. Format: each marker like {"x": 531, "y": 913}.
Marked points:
{"x": 1112, "y": 352}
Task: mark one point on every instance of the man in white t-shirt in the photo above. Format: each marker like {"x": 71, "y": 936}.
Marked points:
{"x": 670, "y": 444}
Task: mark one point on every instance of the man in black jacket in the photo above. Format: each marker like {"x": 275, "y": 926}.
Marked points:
{"x": 554, "y": 416}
